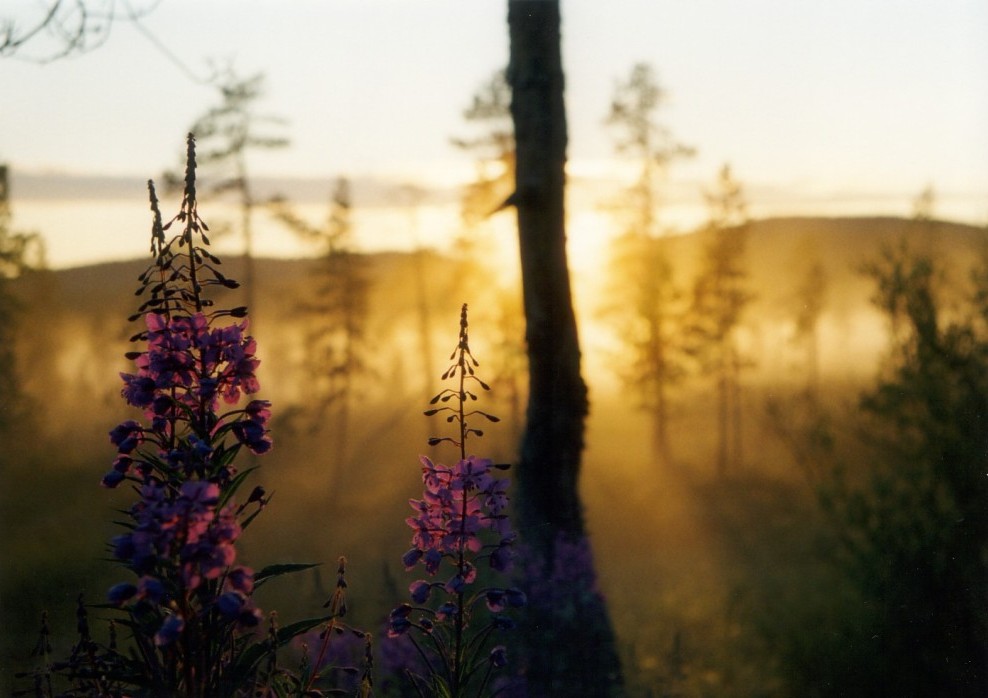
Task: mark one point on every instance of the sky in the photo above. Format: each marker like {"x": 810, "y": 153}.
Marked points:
{"x": 821, "y": 108}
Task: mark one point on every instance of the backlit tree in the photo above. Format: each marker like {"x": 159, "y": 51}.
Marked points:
{"x": 335, "y": 315}
{"x": 643, "y": 302}
{"x": 19, "y": 252}
{"x": 718, "y": 302}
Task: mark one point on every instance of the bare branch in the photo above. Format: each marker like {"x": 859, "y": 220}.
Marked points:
{"x": 65, "y": 28}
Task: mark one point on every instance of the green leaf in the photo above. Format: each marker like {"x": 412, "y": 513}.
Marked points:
{"x": 440, "y": 689}
{"x": 247, "y": 661}
{"x": 277, "y": 570}
{"x": 224, "y": 455}
{"x": 234, "y": 485}
{"x": 247, "y": 522}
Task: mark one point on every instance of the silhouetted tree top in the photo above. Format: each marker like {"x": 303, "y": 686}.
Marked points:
{"x": 639, "y": 135}
{"x": 19, "y": 251}
{"x": 924, "y": 204}
{"x": 633, "y": 108}
{"x": 231, "y": 127}
{"x": 726, "y": 202}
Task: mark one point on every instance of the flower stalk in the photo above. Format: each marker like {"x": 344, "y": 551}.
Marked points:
{"x": 189, "y": 606}
{"x": 460, "y": 522}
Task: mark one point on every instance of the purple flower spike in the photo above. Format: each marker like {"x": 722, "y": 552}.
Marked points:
{"x": 169, "y": 630}
{"x": 410, "y": 558}
{"x": 460, "y": 519}
{"x": 112, "y": 479}
{"x": 420, "y": 591}
{"x": 188, "y": 604}
{"x": 499, "y": 657}
{"x": 230, "y": 604}
{"x": 495, "y": 600}
{"x": 127, "y": 436}
{"x": 121, "y": 593}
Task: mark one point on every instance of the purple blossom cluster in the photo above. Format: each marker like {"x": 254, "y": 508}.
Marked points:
{"x": 459, "y": 503}
{"x": 460, "y": 522}
{"x": 201, "y": 363}
{"x": 461, "y": 506}
{"x": 192, "y": 535}
{"x": 187, "y": 369}
{"x": 181, "y": 542}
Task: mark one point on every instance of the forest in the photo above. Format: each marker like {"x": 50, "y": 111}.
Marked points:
{"x": 741, "y": 459}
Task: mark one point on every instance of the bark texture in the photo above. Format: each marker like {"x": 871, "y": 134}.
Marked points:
{"x": 570, "y": 649}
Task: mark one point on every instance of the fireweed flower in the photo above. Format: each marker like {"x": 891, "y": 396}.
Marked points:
{"x": 187, "y": 370}
{"x": 169, "y": 631}
{"x": 460, "y": 534}
{"x": 195, "y": 366}
{"x": 189, "y": 609}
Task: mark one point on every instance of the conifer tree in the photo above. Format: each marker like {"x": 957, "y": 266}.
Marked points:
{"x": 336, "y": 315}
{"x": 19, "y": 252}
{"x": 718, "y": 301}
{"x": 643, "y": 302}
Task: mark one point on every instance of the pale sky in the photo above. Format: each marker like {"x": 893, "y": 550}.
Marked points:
{"x": 816, "y": 104}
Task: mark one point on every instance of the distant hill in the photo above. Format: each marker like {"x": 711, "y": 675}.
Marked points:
{"x": 779, "y": 250}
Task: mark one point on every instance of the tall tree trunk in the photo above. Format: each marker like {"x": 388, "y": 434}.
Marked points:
{"x": 570, "y": 649}
{"x": 659, "y": 403}
{"x": 736, "y": 404}
{"x": 723, "y": 420}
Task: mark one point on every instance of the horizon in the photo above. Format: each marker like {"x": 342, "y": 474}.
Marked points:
{"x": 819, "y": 110}
{"x": 109, "y": 214}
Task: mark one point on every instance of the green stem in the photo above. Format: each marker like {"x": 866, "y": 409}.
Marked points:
{"x": 461, "y": 558}
{"x": 324, "y": 647}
